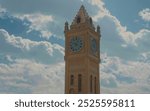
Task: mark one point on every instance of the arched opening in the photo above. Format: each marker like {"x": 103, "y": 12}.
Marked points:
{"x": 79, "y": 83}
{"x": 78, "y": 19}
{"x": 91, "y": 84}
{"x": 95, "y": 85}
{"x": 72, "y": 80}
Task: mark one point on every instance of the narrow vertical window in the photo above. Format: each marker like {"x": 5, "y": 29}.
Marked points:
{"x": 91, "y": 85}
{"x": 79, "y": 83}
{"x": 78, "y": 19}
{"x": 72, "y": 80}
{"x": 95, "y": 85}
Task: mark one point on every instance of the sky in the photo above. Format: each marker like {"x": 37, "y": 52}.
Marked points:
{"x": 32, "y": 44}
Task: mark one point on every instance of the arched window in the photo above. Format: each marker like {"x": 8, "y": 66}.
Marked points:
{"x": 95, "y": 85}
{"x": 79, "y": 83}
{"x": 78, "y": 19}
{"x": 91, "y": 84}
{"x": 72, "y": 80}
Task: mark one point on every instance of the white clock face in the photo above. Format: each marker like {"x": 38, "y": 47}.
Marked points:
{"x": 76, "y": 44}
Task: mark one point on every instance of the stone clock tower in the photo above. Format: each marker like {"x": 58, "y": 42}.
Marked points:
{"x": 82, "y": 55}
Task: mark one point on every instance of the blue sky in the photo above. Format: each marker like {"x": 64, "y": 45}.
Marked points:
{"x": 32, "y": 44}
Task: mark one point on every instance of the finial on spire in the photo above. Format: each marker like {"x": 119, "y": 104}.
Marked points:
{"x": 82, "y": 7}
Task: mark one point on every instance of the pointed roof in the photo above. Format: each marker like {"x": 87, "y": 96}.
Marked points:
{"x": 82, "y": 12}
{"x": 82, "y": 16}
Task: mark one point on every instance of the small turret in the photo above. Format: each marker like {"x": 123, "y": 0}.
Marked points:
{"x": 98, "y": 30}
{"x": 66, "y": 26}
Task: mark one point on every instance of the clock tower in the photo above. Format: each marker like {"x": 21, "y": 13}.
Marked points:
{"x": 82, "y": 55}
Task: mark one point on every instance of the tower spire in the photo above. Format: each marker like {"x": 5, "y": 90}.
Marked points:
{"x": 82, "y": 17}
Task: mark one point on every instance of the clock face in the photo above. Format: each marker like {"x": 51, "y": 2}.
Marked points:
{"x": 76, "y": 44}
{"x": 93, "y": 45}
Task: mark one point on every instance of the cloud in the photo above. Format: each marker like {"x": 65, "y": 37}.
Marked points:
{"x": 30, "y": 76}
{"x": 39, "y": 22}
{"x": 117, "y": 40}
{"x": 55, "y": 9}
{"x": 128, "y": 36}
{"x": 121, "y": 76}
{"x": 102, "y": 10}
{"x": 104, "y": 13}
{"x": 37, "y": 67}
{"x": 145, "y": 56}
{"x": 145, "y": 14}
{"x": 35, "y": 22}
{"x": 26, "y": 76}
{"x": 41, "y": 51}
{"x": 117, "y": 76}
{"x": 36, "y": 26}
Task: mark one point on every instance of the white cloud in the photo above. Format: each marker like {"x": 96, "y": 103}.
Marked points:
{"x": 25, "y": 48}
{"x": 104, "y": 13}
{"x": 25, "y": 44}
{"x": 8, "y": 57}
{"x": 130, "y": 37}
{"x": 117, "y": 76}
{"x": 145, "y": 14}
{"x": 25, "y": 76}
{"x": 39, "y": 22}
{"x": 102, "y": 10}
{"x": 121, "y": 31}
{"x": 28, "y": 74}
{"x": 145, "y": 56}
{"x": 121, "y": 76}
